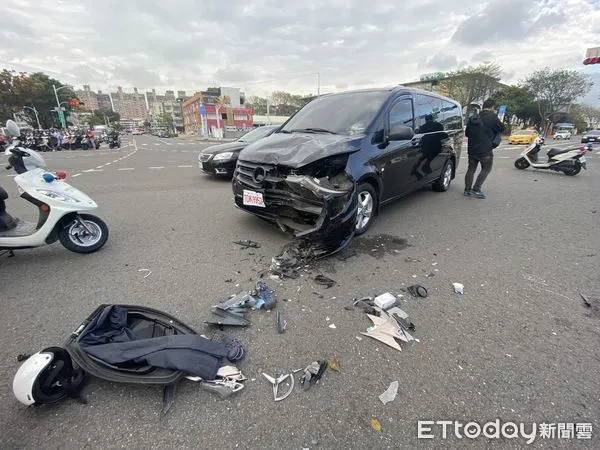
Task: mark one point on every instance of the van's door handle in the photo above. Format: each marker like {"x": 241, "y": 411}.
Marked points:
{"x": 415, "y": 141}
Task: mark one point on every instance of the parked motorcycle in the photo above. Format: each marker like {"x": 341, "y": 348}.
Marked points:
{"x": 62, "y": 208}
{"x": 570, "y": 161}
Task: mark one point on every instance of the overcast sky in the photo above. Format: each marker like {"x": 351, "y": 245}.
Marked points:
{"x": 266, "y": 45}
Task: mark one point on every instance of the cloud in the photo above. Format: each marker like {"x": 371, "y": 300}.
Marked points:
{"x": 262, "y": 45}
{"x": 508, "y": 21}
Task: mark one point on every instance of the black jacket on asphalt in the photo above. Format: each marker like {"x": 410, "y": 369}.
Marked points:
{"x": 482, "y": 130}
{"x": 108, "y": 338}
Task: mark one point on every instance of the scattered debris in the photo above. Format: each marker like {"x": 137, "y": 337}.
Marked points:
{"x": 247, "y": 244}
{"x": 324, "y": 281}
{"x": 317, "y": 294}
{"x": 376, "y": 425}
{"x": 418, "y": 290}
{"x": 402, "y": 318}
{"x": 386, "y": 329}
{"x": 385, "y": 301}
{"x": 377, "y": 246}
{"x": 390, "y": 393}
{"x": 367, "y": 305}
{"x": 149, "y": 272}
{"x": 281, "y": 323}
{"x": 313, "y": 373}
{"x": 334, "y": 364}
{"x": 332, "y": 326}
{"x": 593, "y": 305}
{"x": 168, "y": 397}
{"x": 23, "y": 357}
{"x": 410, "y": 259}
{"x": 458, "y": 288}
{"x": 358, "y": 338}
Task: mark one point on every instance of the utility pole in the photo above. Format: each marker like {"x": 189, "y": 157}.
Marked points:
{"x": 58, "y": 110}
{"x": 37, "y": 118}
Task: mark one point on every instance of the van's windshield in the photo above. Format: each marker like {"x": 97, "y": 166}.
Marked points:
{"x": 347, "y": 114}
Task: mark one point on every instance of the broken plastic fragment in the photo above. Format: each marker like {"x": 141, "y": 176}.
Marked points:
{"x": 332, "y": 326}
{"x": 149, "y": 272}
{"x": 458, "y": 288}
{"x": 390, "y": 393}
{"x": 281, "y": 323}
{"x": 376, "y": 425}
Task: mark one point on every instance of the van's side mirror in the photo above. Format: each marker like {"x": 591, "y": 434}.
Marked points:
{"x": 400, "y": 133}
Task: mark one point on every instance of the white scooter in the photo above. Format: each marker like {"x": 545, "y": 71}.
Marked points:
{"x": 60, "y": 207}
{"x": 570, "y": 161}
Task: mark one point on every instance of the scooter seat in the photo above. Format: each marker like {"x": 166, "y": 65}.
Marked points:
{"x": 22, "y": 229}
{"x": 557, "y": 151}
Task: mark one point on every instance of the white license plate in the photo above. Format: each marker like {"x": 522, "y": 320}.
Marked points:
{"x": 252, "y": 198}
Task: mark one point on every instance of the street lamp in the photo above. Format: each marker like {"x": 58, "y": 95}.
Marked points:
{"x": 37, "y": 118}
{"x": 58, "y": 110}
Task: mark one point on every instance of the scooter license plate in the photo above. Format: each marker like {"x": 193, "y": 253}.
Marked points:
{"x": 252, "y": 198}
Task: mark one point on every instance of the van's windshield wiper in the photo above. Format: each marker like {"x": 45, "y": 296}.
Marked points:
{"x": 312, "y": 130}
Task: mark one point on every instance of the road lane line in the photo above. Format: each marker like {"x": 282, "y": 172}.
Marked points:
{"x": 126, "y": 168}
{"x": 93, "y": 170}
{"x": 186, "y": 166}
{"x": 100, "y": 167}
{"x": 157, "y": 167}
{"x": 76, "y": 175}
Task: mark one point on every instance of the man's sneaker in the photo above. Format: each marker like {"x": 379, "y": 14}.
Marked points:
{"x": 468, "y": 193}
{"x": 478, "y": 194}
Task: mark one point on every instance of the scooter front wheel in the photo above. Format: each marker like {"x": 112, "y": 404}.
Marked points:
{"x": 84, "y": 239}
{"x": 521, "y": 164}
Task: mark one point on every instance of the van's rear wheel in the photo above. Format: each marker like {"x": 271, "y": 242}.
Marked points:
{"x": 442, "y": 184}
{"x": 84, "y": 239}
{"x": 367, "y": 204}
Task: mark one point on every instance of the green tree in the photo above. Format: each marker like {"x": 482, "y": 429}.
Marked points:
{"x": 472, "y": 84}
{"x": 589, "y": 116}
{"x": 556, "y": 90}
{"x": 165, "y": 120}
{"x": 102, "y": 116}
{"x": 17, "y": 89}
{"x": 147, "y": 124}
{"x": 117, "y": 126}
{"x": 519, "y": 103}
{"x": 258, "y": 104}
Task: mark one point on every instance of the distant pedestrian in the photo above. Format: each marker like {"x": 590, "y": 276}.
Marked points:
{"x": 483, "y": 133}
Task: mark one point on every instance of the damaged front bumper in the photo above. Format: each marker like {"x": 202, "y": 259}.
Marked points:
{"x": 320, "y": 210}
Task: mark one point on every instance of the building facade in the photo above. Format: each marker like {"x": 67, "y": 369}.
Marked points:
{"x": 205, "y": 113}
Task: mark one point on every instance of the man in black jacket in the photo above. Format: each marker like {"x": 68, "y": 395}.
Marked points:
{"x": 483, "y": 131}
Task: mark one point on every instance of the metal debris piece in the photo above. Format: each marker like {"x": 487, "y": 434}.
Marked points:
{"x": 246, "y": 243}
{"x": 390, "y": 393}
{"x": 281, "y": 323}
{"x": 324, "y": 281}
{"x": 149, "y": 272}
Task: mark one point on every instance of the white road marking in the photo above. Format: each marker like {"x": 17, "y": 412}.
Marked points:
{"x": 116, "y": 160}
{"x": 144, "y": 144}
{"x": 126, "y": 168}
{"x": 107, "y": 164}
{"x": 94, "y": 170}
{"x": 156, "y": 143}
{"x": 181, "y": 143}
{"x": 76, "y": 175}
{"x": 157, "y": 167}
{"x": 100, "y": 167}
{"x": 186, "y": 166}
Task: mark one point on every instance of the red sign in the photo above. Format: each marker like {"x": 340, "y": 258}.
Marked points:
{"x": 74, "y": 102}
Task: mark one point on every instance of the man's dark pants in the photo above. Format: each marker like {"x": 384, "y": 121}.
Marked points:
{"x": 486, "y": 160}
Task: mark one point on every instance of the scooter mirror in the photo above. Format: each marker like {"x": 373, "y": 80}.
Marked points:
{"x": 13, "y": 128}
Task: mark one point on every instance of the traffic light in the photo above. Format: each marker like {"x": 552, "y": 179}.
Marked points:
{"x": 592, "y": 60}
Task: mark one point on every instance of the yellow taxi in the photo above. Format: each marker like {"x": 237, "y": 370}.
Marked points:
{"x": 523, "y": 137}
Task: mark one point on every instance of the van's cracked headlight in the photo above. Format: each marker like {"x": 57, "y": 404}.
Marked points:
{"x": 58, "y": 196}
{"x": 320, "y": 187}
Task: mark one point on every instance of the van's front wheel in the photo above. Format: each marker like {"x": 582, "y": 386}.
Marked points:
{"x": 367, "y": 204}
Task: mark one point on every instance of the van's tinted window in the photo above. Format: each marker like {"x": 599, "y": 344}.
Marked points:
{"x": 347, "y": 114}
{"x": 451, "y": 116}
{"x": 426, "y": 105}
{"x": 402, "y": 113}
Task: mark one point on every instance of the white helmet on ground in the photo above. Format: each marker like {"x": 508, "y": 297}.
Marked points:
{"x": 48, "y": 377}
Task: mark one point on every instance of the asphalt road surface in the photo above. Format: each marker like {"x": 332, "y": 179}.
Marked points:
{"x": 518, "y": 346}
